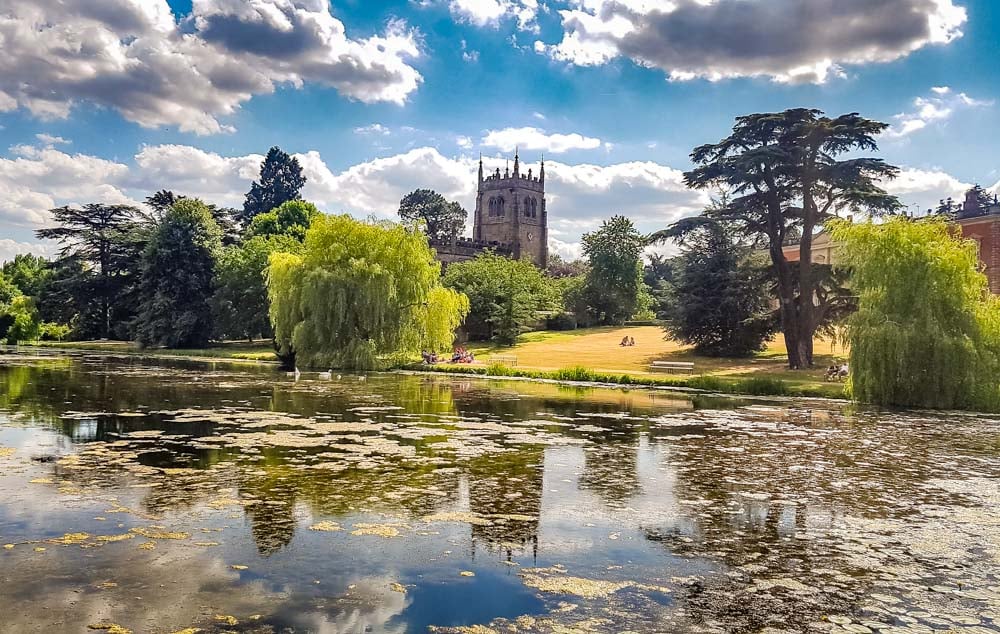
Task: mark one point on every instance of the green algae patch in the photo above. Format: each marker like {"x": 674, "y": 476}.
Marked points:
{"x": 158, "y": 532}
{"x": 326, "y": 526}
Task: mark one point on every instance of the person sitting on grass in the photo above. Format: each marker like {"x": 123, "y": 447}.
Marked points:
{"x": 624, "y": 342}
{"x": 631, "y": 341}
{"x": 831, "y": 373}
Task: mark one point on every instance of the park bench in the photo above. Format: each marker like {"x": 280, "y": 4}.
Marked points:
{"x": 671, "y": 366}
{"x": 509, "y": 360}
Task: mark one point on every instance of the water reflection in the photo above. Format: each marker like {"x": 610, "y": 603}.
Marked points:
{"x": 406, "y": 502}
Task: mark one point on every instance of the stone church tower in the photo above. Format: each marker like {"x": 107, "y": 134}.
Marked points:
{"x": 510, "y": 209}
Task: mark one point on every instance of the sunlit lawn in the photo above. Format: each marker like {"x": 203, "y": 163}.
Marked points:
{"x": 598, "y": 349}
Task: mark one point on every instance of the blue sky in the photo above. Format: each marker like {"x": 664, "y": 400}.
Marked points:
{"x": 110, "y": 101}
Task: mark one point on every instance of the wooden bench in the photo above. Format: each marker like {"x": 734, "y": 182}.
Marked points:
{"x": 504, "y": 359}
{"x": 671, "y": 366}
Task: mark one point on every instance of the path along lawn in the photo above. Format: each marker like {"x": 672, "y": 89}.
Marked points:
{"x": 598, "y": 349}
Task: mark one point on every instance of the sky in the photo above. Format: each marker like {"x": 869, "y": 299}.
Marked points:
{"x": 110, "y": 101}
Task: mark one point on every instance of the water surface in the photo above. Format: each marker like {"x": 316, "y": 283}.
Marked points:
{"x": 155, "y": 497}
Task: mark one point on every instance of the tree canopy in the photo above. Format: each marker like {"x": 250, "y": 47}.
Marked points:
{"x": 281, "y": 179}
{"x": 443, "y": 220}
{"x": 291, "y": 219}
{"x": 615, "y": 289}
{"x": 505, "y": 295}
{"x": 102, "y": 238}
{"x": 786, "y": 180}
{"x": 178, "y": 268}
{"x": 927, "y": 330}
{"x": 721, "y": 292}
{"x": 360, "y": 295}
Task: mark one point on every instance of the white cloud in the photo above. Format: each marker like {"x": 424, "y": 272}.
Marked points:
{"x": 925, "y": 188}
{"x": 536, "y": 139}
{"x": 785, "y": 40}
{"x": 373, "y": 129}
{"x": 48, "y": 139}
{"x": 928, "y": 110}
{"x": 580, "y": 196}
{"x": 464, "y": 142}
{"x": 491, "y": 12}
{"x": 133, "y": 56}
{"x": 10, "y": 248}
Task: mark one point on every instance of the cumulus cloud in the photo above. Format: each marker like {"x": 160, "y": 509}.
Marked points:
{"x": 48, "y": 139}
{"x": 785, "y": 40}
{"x": 580, "y": 196}
{"x": 10, "y": 248}
{"x": 491, "y": 12}
{"x": 939, "y": 107}
{"x": 923, "y": 189}
{"x": 375, "y": 129}
{"x": 530, "y": 138}
{"x": 133, "y": 56}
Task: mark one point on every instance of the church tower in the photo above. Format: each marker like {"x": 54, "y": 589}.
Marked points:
{"x": 510, "y": 209}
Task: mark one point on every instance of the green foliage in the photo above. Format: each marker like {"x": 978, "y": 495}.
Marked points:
{"x": 504, "y": 295}
{"x": 177, "y": 278}
{"x": 101, "y": 243}
{"x": 927, "y": 331}
{"x": 442, "y": 219}
{"x": 360, "y": 295}
{"x": 786, "y": 181}
{"x": 240, "y": 303}
{"x": 50, "y": 331}
{"x": 614, "y": 288}
{"x": 8, "y": 290}
{"x": 21, "y": 320}
{"x": 281, "y": 180}
{"x": 288, "y": 219}
{"x": 721, "y": 299}
{"x": 29, "y": 273}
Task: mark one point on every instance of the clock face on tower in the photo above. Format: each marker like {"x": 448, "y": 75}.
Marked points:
{"x": 530, "y": 236}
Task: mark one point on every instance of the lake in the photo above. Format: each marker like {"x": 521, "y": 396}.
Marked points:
{"x": 155, "y": 496}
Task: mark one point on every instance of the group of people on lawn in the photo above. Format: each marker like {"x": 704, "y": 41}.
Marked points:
{"x": 461, "y": 355}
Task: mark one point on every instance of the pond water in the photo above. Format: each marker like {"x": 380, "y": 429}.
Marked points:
{"x": 184, "y": 496}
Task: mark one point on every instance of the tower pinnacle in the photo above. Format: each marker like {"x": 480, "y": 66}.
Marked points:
{"x": 517, "y": 163}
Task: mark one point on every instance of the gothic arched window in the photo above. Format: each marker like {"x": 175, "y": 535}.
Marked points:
{"x": 534, "y": 207}
{"x": 500, "y": 209}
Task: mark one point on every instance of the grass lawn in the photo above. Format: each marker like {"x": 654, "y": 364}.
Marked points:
{"x": 598, "y": 349}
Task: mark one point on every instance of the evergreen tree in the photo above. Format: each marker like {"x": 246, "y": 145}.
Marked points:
{"x": 614, "y": 289}
{"x": 786, "y": 179}
{"x": 361, "y": 295}
{"x": 178, "y": 268}
{"x": 443, "y": 220}
{"x": 281, "y": 180}
{"x": 722, "y": 304}
{"x": 101, "y": 238}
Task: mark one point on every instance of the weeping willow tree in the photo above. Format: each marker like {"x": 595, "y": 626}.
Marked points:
{"x": 927, "y": 331}
{"x": 360, "y": 295}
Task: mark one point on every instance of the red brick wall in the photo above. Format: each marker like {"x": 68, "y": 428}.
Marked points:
{"x": 987, "y": 232}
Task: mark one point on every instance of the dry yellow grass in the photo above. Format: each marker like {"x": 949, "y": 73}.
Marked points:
{"x": 599, "y": 349}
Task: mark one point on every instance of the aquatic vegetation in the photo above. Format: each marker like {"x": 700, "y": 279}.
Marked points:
{"x": 325, "y": 526}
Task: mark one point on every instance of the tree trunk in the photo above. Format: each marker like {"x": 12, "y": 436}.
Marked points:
{"x": 786, "y": 305}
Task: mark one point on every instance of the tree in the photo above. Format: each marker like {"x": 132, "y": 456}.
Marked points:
{"x": 29, "y": 273}
{"x": 558, "y": 266}
{"x": 289, "y": 219}
{"x": 927, "y": 331}
{"x": 19, "y": 320}
{"x": 659, "y": 274}
{"x": 361, "y": 295}
{"x": 783, "y": 172}
{"x": 99, "y": 236}
{"x": 177, "y": 278}
{"x": 614, "y": 289}
{"x": 240, "y": 302}
{"x": 722, "y": 303}
{"x": 281, "y": 180}
{"x": 504, "y": 295}
{"x": 443, "y": 220}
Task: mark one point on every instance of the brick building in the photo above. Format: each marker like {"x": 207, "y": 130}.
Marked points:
{"x": 978, "y": 219}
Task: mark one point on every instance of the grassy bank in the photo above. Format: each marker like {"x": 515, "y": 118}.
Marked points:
{"x": 227, "y": 351}
{"x": 750, "y": 386}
